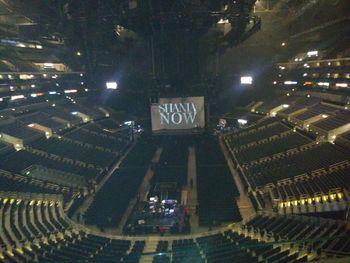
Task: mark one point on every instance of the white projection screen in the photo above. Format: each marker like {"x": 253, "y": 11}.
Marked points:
{"x": 178, "y": 114}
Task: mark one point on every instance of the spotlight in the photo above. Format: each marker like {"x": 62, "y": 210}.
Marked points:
{"x": 111, "y": 85}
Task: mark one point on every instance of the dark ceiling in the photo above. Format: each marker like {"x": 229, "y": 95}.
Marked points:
{"x": 177, "y": 48}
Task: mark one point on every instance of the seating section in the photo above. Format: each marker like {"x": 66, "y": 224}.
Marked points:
{"x": 293, "y": 164}
{"x": 319, "y": 185}
{"x": 20, "y": 131}
{"x": 35, "y": 229}
{"x": 218, "y": 248}
{"x": 315, "y": 110}
{"x": 303, "y": 232}
{"x": 116, "y": 142}
{"x": 21, "y": 160}
{"x": 135, "y": 253}
{"x": 108, "y": 124}
{"x": 20, "y": 183}
{"x": 3, "y": 146}
{"x": 28, "y": 216}
{"x": 186, "y": 250}
{"x": 161, "y": 255}
{"x": 332, "y": 122}
{"x": 273, "y": 146}
{"x": 112, "y": 200}
{"x": 75, "y": 151}
{"x": 42, "y": 119}
{"x": 64, "y": 115}
{"x": 113, "y": 251}
{"x": 259, "y": 133}
{"x": 216, "y": 188}
{"x": 300, "y": 103}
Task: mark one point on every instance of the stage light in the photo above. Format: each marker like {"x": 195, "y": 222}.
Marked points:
{"x": 290, "y": 82}
{"x": 111, "y": 85}
{"x": 247, "y": 80}
{"x": 313, "y": 53}
{"x": 16, "y": 97}
{"x": 283, "y": 44}
{"x": 326, "y": 84}
{"x": 242, "y": 121}
{"x": 341, "y": 85}
{"x": 70, "y": 91}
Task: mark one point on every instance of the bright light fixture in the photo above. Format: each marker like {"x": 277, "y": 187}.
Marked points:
{"x": 242, "y": 121}
{"x": 248, "y": 80}
{"x": 290, "y": 82}
{"x": 313, "y": 53}
{"x": 70, "y": 91}
{"x": 111, "y": 85}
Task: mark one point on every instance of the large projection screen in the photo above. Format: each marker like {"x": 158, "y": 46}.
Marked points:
{"x": 178, "y": 114}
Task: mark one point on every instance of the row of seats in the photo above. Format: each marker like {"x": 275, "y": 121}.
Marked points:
{"x": 26, "y": 219}
{"x": 64, "y": 114}
{"x": 292, "y": 165}
{"x": 161, "y": 255}
{"x": 16, "y": 129}
{"x": 42, "y": 119}
{"x": 75, "y": 151}
{"x": 312, "y": 185}
{"x": 315, "y": 110}
{"x": 112, "y": 143}
{"x": 274, "y": 146}
{"x": 21, "y": 160}
{"x": 260, "y": 124}
{"x": 332, "y": 122}
{"x": 35, "y": 229}
{"x": 257, "y": 134}
{"x": 20, "y": 183}
{"x": 309, "y": 233}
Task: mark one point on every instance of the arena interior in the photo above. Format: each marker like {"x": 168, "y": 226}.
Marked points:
{"x": 177, "y": 131}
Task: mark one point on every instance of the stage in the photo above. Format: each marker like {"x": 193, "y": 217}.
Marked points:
{"x": 158, "y": 217}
